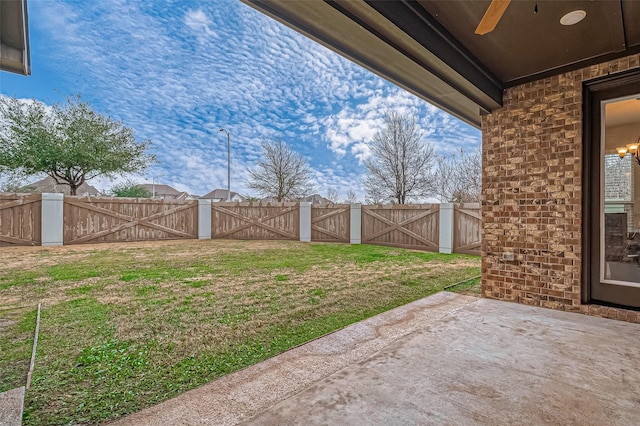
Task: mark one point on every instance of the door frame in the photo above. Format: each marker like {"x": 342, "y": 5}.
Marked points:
{"x": 594, "y": 92}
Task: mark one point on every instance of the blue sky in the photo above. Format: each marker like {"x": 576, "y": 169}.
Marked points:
{"x": 176, "y": 71}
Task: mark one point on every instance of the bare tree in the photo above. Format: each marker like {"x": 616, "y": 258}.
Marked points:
{"x": 373, "y": 199}
{"x": 282, "y": 173}
{"x": 399, "y": 167}
{"x": 352, "y": 197}
{"x": 459, "y": 177}
{"x": 332, "y": 195}
{"x": 444, "y": 179}
{"x": 12, "y": 181}
{"x": 250, "y": 198}
{"x": 470, "y": 176}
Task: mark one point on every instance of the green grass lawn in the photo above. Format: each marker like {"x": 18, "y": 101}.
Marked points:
{"x": 471, "y": 287}
{"x": 124, "y": 326}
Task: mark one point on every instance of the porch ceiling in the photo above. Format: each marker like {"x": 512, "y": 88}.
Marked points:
{"x": 430, "y": 47}
{"x": 14, "y": 37}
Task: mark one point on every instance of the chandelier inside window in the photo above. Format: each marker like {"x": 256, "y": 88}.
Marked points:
{"x": 632, "y": 148}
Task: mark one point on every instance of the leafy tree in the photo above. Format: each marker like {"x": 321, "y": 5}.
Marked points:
{"x": 129, "y": 189}
{"x": 69, "y": 142}
{"x": 400, "y": 164}
{"x": 282, "y": 173}
{"x": 459, "y": 177}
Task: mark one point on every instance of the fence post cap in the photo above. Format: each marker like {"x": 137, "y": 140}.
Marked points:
{"x": 52, "y": 196}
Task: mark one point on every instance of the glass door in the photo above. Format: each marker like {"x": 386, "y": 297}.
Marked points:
{"x": 620, "y": 238}
{"x": 619, "y": 202}
{"x": 611, "y": 191}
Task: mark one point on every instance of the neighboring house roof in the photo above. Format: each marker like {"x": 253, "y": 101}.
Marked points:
{"x": 163, "y": 191}
{"x": 48, "y": 184}
{"x": 221, "y": 194}
{"x": 186, "y": 196}
{"x": 316, "y": 199}
{"x": 313, "y": 199}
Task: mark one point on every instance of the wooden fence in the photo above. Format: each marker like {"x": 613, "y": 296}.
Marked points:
{"x": 249, "y": 221}
{"x": 408, "y": 226}
{"x": 20, "y": 219}
{"x": 467, "y": 234}
{"x": 101, "y": 219}
{"x": 330, "y": 223}
{"x": 75, "y": 220}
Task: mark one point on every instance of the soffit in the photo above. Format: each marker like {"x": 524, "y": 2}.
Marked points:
{"x": 14, "y": 37}
{"x": 527, "y": 45}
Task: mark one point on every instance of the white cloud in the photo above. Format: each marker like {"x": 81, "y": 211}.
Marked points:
{"x": 200, "y": 23}
{"x": 177, "y": 71}
{"x": 352, "y": 129}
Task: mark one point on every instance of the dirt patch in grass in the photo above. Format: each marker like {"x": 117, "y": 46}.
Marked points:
{"x": 128, "y": 325}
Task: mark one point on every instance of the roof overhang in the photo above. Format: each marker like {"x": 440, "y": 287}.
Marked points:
{"x": 14, "y": 37}
{"x": 357, "y": 31}
{"x": 429, "y": 47}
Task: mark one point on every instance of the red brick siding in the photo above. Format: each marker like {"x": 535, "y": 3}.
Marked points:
{"x": 532, "y": 199}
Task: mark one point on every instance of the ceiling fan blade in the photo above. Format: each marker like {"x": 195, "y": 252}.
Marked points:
{"x": 492, "y": 16}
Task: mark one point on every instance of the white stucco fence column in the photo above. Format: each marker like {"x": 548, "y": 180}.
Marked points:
{"x": 305, "y": 221}
{"x": 446, "y": 228}
{"x": 355, "y": 225}
{"x": 204, "y": 219}
{"x": 52, "y": 233}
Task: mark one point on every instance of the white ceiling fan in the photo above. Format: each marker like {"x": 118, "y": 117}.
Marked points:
{"x": 492, "y": 16}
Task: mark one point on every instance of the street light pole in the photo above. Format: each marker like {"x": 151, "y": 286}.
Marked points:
{"x": 153, "y": 186}
{"x": 228, "y": 164}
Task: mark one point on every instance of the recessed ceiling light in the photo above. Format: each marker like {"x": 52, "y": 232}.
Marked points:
{"x": 573, "y": 17}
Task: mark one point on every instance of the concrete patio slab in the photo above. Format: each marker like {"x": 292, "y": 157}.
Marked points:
{"x": 446, "y": 359}
{"x": 11, "y": 403}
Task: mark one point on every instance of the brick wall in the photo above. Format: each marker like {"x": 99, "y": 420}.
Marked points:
{"x": 532, "y": 165}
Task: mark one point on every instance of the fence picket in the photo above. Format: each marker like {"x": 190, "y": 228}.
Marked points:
{"x": 468, "y": 228}
{"x": 249, "y": 221}
{"x": 330, "y": 223}
{"x": 409, "y": 226}
{"x": 102, "y": 219}
{"x": 20, "y": 219}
